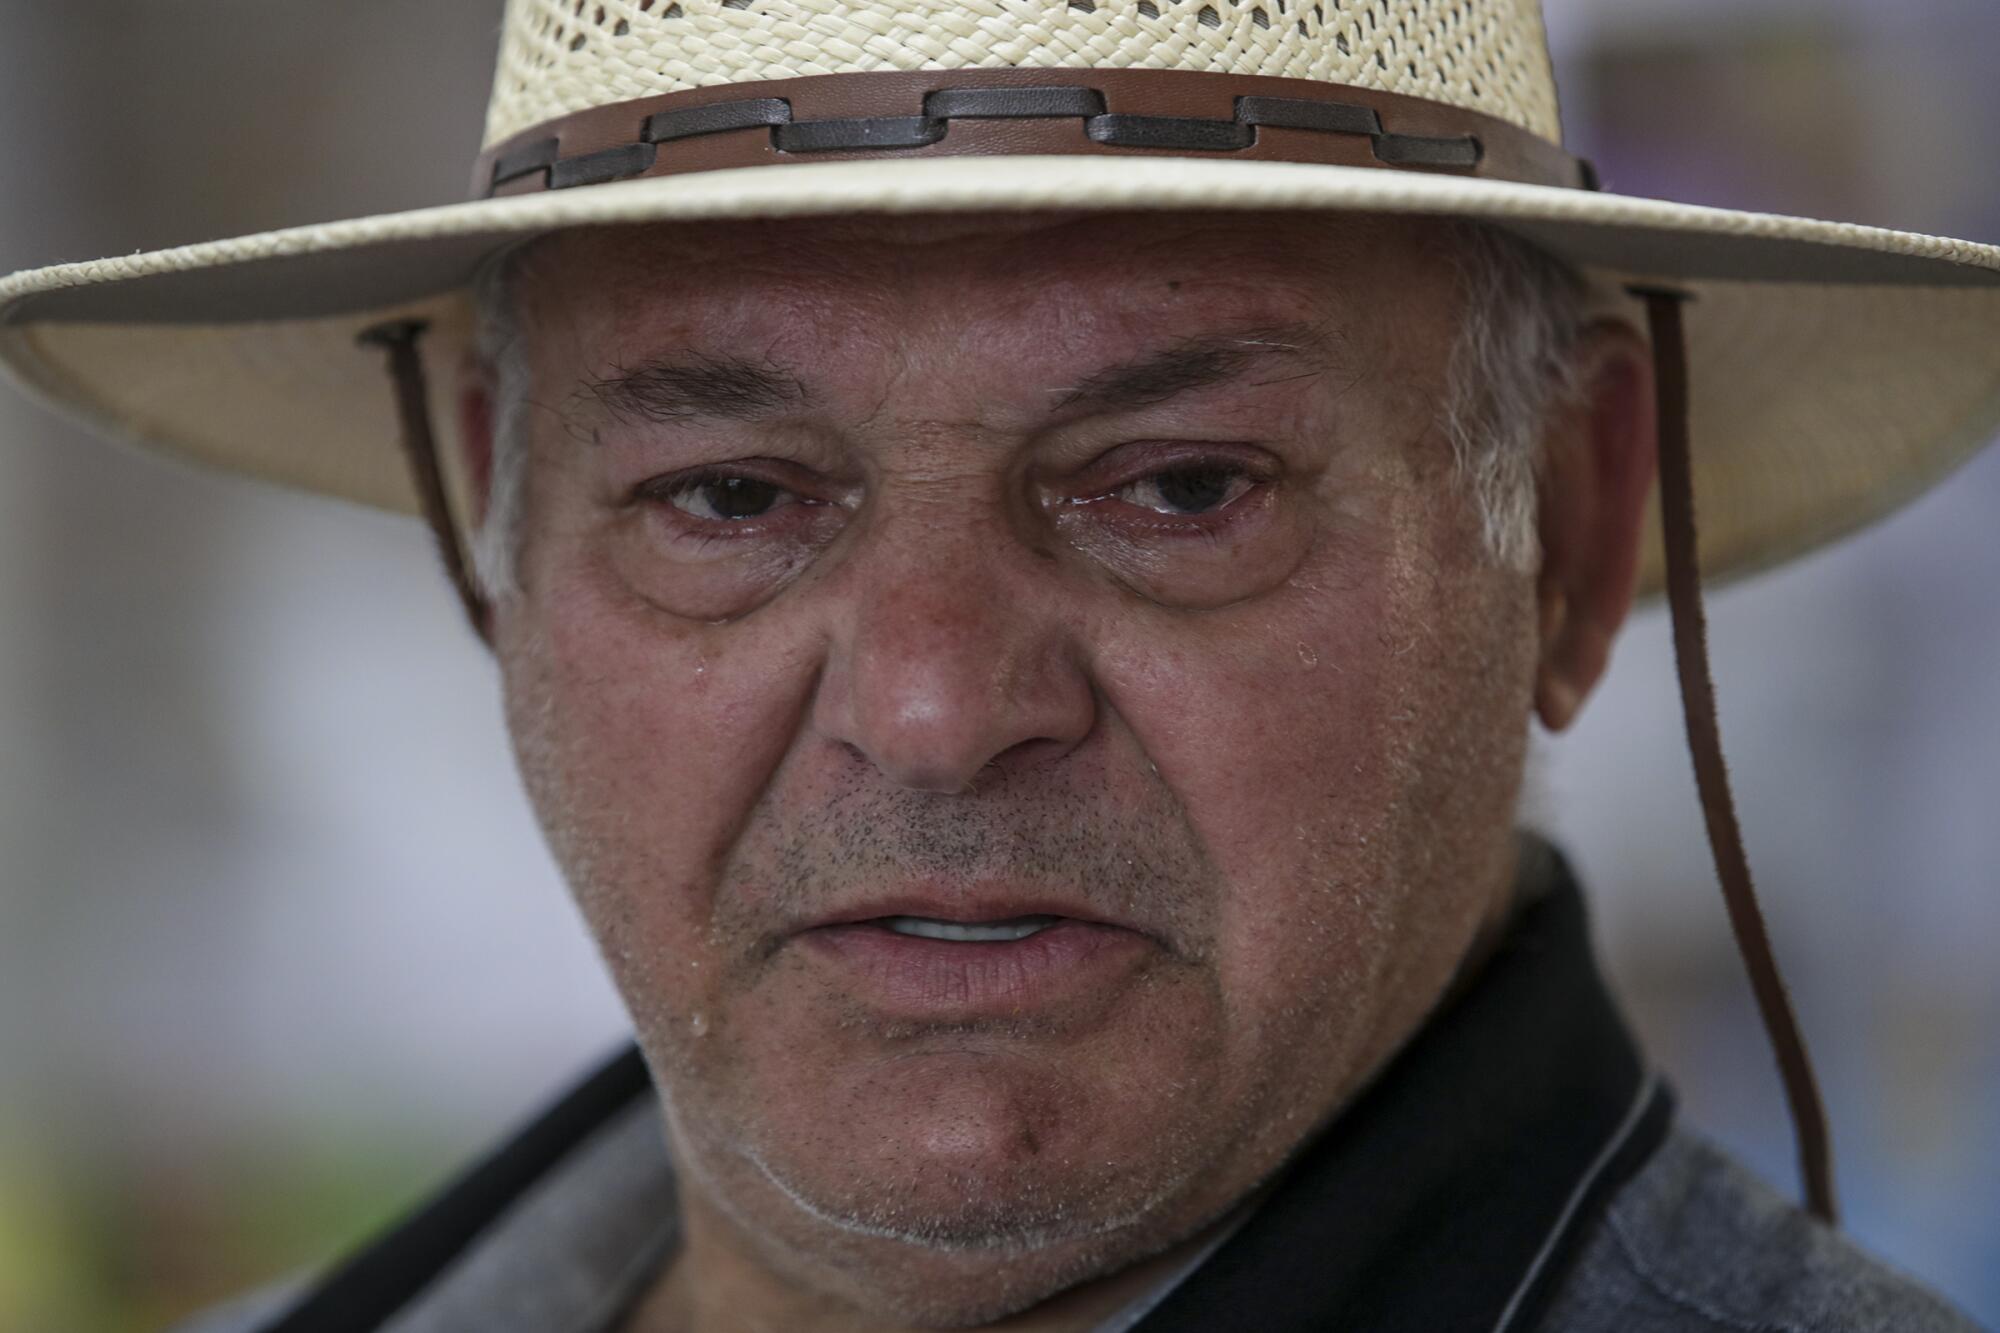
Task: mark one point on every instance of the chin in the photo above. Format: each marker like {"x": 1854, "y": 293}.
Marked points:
{"x": 953, "y": 1191}
{"x": 959, "y": 1209}
{"x": 961, "y": 1269}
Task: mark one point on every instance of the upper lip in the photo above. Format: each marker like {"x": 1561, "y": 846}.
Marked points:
{"x": 968, "y": 907}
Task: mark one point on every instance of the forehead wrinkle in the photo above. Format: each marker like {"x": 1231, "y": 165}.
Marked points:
{"x": 1297, "y": 350}
{"x": 627, "y": 291}
{"x": 899, "y": 293}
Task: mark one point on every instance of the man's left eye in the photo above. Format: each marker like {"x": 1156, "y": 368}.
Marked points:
{"x": 1187, "y": 491}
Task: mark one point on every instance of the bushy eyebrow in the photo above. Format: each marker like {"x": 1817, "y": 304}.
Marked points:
{"x": 1198, "y": 362}
{"x": 690, "y": 385}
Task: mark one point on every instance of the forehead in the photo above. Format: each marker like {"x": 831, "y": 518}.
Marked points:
{"x": 1025, "y": 290}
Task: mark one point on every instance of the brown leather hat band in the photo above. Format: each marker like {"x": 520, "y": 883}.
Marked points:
{"x": 1181, "y": 113}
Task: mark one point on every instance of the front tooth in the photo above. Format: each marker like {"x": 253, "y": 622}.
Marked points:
{"x": 931, "y": 929}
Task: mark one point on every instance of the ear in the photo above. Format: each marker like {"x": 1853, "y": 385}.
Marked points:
{"x": 475, "y": 436}
{"x": 1597, "y": 475}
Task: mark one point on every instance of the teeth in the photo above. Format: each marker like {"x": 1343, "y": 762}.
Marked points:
{"x": 931, "y": 929}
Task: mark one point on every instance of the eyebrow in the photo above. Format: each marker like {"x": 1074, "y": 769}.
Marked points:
{"x": 691, "y": 385}
{"x": 1199, "y": 362}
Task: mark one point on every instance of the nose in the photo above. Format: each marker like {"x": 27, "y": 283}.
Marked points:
{"x": 951, "y": 656}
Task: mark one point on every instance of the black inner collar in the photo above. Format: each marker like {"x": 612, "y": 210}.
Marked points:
{"x": 1454, "y": 1192}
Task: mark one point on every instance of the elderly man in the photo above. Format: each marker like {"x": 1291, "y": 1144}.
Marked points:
{"x": 1026, "y": 666}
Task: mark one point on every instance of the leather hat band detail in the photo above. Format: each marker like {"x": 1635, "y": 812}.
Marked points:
{"x": 1019, "y": 111}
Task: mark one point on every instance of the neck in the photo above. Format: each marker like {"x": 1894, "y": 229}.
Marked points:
{"x": 1517, "y": 879}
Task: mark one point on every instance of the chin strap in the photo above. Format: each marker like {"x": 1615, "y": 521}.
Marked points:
{"x": 1725, "y": 837}
{"x": 1711, "y": 775}
{"x": 406, "y": 370}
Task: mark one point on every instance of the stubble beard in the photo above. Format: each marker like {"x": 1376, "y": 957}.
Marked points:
{"x": 1144, "y": 865}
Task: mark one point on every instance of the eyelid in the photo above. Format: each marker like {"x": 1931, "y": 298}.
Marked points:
{"x": 669, "y": 484}
{"x": 776, "y": 472}
{"x": 1117, "y": 468}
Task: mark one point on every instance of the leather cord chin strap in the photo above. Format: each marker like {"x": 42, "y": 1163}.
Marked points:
{"x": 1704, "y": 735}
{"x": 1732, "y": 867}
{"x": 406, "y": 370}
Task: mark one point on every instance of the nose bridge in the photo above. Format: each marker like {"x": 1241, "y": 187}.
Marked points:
{"x": 932, "y": 623}
{"x": 951, "y": 656}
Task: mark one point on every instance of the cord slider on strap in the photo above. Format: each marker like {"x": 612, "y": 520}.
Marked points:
{"x": 1704, "y": 735}
{"x": 398, "y": 337}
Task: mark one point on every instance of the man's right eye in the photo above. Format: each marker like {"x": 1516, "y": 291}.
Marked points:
{"x": 724, "y": 497}
{"x": 1188, "y": 491}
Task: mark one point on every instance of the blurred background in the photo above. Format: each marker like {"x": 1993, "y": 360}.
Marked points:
{"x": 279, "y": 945}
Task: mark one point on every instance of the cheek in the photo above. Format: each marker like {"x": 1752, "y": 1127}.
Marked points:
{"x": 1273, "y": 726}
{"x": 643, "y": 742}
{"x": 1303, "y": 733}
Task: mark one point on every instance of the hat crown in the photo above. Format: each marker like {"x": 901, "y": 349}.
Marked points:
{"x": 563, "y": 56}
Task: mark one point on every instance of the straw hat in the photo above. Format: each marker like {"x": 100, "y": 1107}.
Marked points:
{"x": 1835, "y": 370}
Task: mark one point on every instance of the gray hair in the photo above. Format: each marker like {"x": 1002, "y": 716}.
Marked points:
{"x": 501, "y": 350}
{"x": 1513, "y": 364}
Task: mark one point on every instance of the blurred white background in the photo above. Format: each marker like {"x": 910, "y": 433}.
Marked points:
{"x": 279, "y": 944}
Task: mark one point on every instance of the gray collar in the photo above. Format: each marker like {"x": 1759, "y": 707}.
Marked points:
{"x": 575, "y": 1251}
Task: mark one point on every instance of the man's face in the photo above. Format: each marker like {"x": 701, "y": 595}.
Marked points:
{"x": 1101, "y": 585}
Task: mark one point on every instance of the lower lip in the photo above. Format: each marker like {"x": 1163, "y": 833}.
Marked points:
{"x": 915, "y": 976}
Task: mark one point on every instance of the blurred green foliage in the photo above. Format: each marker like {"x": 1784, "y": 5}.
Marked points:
{"x": 117, "y": 1245}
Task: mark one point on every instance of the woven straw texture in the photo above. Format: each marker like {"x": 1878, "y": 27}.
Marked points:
{"x": 561, "y": 56}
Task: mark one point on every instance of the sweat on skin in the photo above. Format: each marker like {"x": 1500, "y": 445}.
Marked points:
{"x": 1110, "y": 570}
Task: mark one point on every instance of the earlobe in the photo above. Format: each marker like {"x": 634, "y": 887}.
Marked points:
{"x": 1597, "y": 475}
{"x": 1556, "y": 701}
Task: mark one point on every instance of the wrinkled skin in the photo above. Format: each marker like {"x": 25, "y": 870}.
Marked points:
{"x": 1223, "y": 663}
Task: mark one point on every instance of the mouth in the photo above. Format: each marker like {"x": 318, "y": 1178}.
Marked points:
{"x": 963, "y": 913}
{"x": 927, "y": 966}
{"x": 967, "y": 932}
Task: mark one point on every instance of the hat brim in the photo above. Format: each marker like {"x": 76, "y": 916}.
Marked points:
{"x": 1836, "y": 370}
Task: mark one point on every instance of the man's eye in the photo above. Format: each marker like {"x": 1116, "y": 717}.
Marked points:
{"x": 726, "y": 498}
{"x": 1187, "y": 491}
